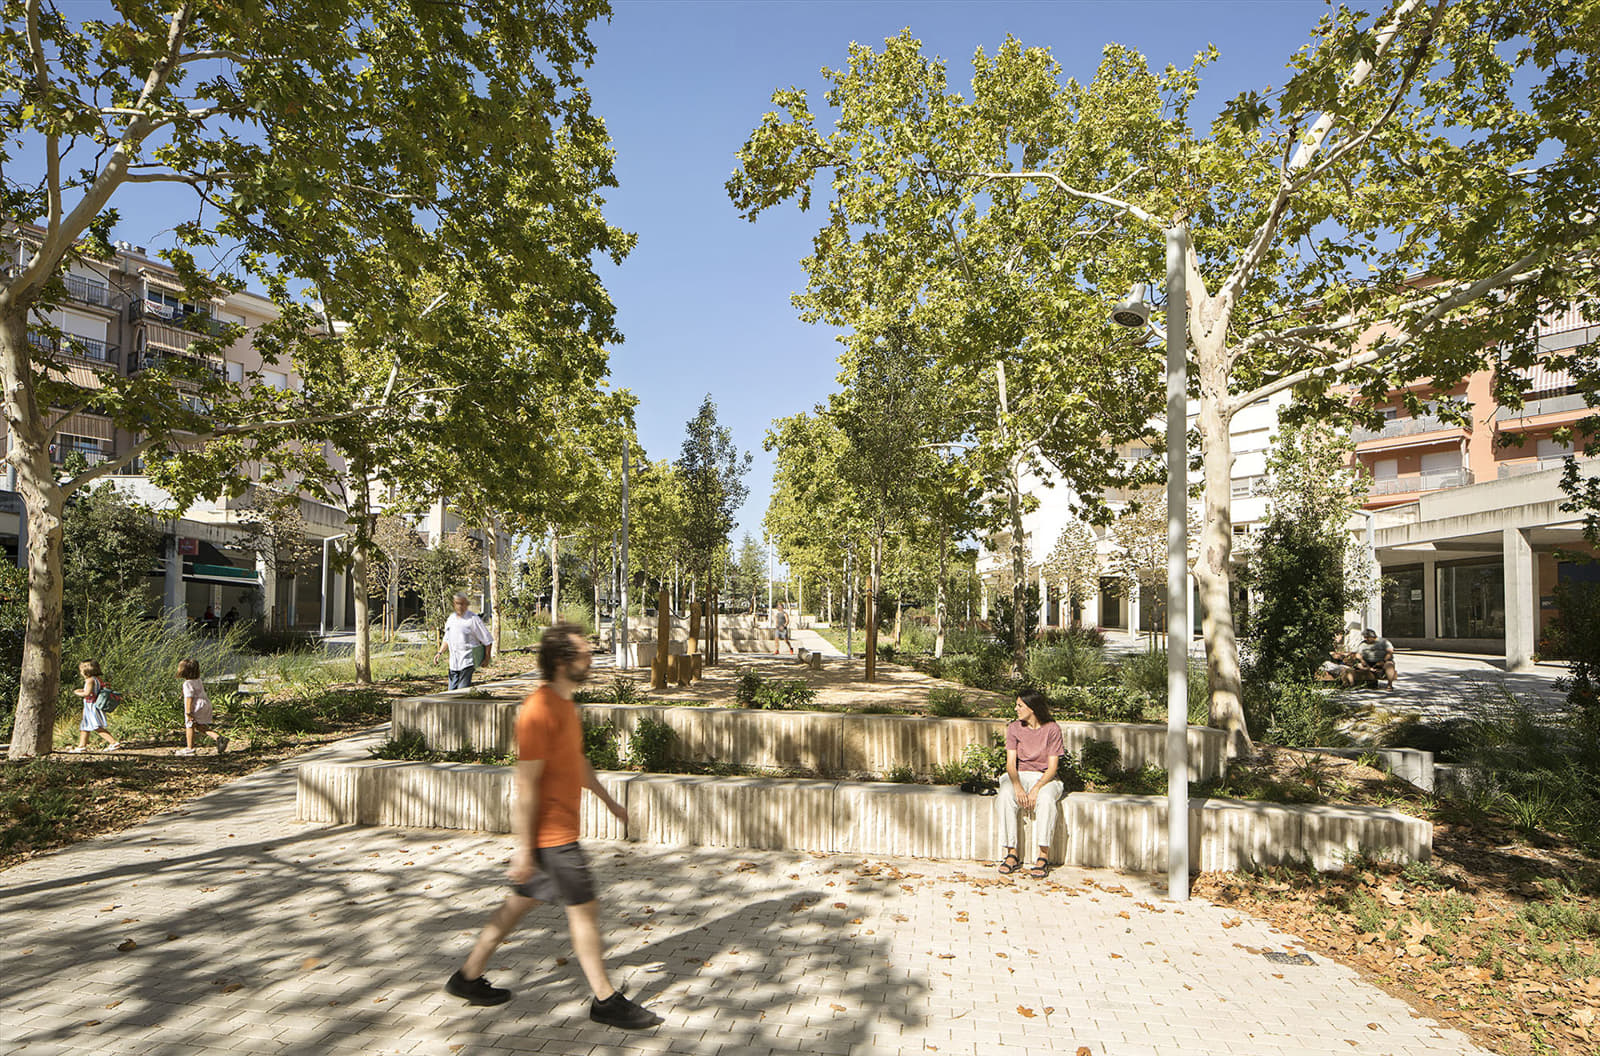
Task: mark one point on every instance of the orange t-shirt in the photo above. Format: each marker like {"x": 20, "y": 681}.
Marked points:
{"x": 548, "y": 728}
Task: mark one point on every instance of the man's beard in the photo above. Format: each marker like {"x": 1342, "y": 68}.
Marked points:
{"x": 579, "y": 675}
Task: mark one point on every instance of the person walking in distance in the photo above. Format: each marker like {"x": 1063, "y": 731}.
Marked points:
{"x": 549, "y": 865}
{"x": 463, "y": 629}
{"x": 781, "y": 622}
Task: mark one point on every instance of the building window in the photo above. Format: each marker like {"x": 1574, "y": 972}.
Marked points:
{"x": 1403, "y": 605}
{"x": 1472, "y": 600}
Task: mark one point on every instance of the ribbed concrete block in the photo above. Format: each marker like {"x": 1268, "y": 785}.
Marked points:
{"x": 452, "y": 723}
{"x": 1237, "y": 836}
{"x": 810, "y": 739}
{"x": 914, "y": 821}
{"x": 1331, "y": 835}
{"x": 1409, "y": 764}
{"x": 875, "y": 743}
{"x": 759, "y": 814}
{"x": 327, "y": 792}
{"x": 1106, "y": 831}
{"x": 1144, "y": 745}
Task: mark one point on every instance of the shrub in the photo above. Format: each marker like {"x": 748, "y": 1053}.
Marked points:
{"x": 748, "y": 686}
{"x": 625, "y": 690}
{"x": 1294, "y": 715}
{"x": 948, "y": 704}
{"x": 650, "y": 747}
{"x": 600, "y": 745}
{"x": 988, "y": 669}
{"x": 919, "y": 638}
{"x": 984, "y": 762}
{"x": 901, "y": 774}
{"x": 410, "y": 744}
{"x": 1099, "y": 761}
{"x": 1071, "y": 661}
{"x": 783, "y": 693}
{"x": 1106, "y": 702}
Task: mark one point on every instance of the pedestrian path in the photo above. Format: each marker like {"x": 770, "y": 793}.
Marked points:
{"x": 227, "y": 927}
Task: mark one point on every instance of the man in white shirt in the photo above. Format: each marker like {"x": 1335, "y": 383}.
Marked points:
{"x": 463, "y": 630}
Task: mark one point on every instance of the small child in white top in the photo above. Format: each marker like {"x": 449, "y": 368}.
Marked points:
{"x": 196, "y": 708}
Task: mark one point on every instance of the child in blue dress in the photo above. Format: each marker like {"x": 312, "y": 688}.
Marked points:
{"x": 94, "y": 718}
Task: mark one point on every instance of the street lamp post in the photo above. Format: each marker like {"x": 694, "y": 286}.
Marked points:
{"x": 1134, "y": 312}
{"x": 619, "y": 618}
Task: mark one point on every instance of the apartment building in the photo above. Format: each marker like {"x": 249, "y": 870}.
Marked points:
{"x": 1467, "y": 524}
{"x": 129, "y": 314}
{"x": 1118, "y": 606}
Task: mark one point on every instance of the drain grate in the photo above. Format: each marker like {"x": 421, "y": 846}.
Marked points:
{"x": 1279, "y": 957}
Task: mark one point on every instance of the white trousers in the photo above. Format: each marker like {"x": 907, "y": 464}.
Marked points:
{"x": 1044, "y": 812}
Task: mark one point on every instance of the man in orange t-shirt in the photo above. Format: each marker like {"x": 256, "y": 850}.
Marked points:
{"x": 549, "y": 865}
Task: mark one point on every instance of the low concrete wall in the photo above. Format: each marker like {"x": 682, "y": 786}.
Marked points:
{"x": 1130, "y": 832}
{"x": 851, "y": 817}
{"x": 828, "y": 742}
{"x": 1409, "y": 764}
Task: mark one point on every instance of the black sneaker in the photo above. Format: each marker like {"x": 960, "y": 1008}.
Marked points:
{"x": 475, "y": 991}
{"x": 618, "y": 1011}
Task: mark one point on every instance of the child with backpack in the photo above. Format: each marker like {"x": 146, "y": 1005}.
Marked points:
{"x": 95, "y": 694}
{"x": 196, "y": 708}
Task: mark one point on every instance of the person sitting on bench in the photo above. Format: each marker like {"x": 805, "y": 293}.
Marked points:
{"x": 1377, "y": 657}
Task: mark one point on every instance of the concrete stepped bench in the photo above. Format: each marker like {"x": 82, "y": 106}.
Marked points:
{"x": 828, "y": 742}
{"x": 854, "y": 817}
{"x": 1130, "y": 833}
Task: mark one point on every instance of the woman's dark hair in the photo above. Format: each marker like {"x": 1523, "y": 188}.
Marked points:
{"x": 1037, "y": 703}
{"x": 558, "y": 646}
{"x": 189, "y": 668}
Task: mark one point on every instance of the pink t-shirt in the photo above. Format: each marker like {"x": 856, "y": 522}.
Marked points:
{"x": 1034, "y": 747}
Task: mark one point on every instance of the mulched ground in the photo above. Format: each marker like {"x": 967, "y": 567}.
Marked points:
{"x": 1499, "y": 936}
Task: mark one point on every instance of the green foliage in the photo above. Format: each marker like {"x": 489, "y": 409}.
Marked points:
{"x": 13, "y": 625}
{"x": 1073, "y": 661}
{"x": 712, "y": 471}
{"x": 1099, "y": 762}
{"x": 1106, "y": 702}
{"x": 984, "y": 762}
{"x": 1541, "y": 773}
{"x": 109, "y": 544}
{"x": 601, "y": 744}
{"x": 948, "y": 704}
{"x": 990, "y": 668}
{"x": 900, "y": 774}
{"x": 1293, "y": 715}
{"x": 408, "y": 745}
{"x": 442, "y": 571}
{"x": 41, "y": 802}
{"x": 139, "y": 656}
{"x": 748, "y": 685}
{"x": 1002, "y": 615}
{"x": 1297, "y": 570}
{"x": 1575, "y": 636}
{"x": 650, "y": 747}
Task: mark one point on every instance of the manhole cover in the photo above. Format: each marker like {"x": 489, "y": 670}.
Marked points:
{"x": 1278, "y": 957}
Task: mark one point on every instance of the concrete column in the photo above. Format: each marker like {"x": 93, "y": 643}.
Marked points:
{"x": 1091, "y": 606}
{"x": 983, "y": 600}
{"x": 1430, "y": 599}
{"x": 1133, "y": 608}
{"x": 1044, "y": 600}
{"x": 1522, "y": 599}
{"x": 269, "y": 593}
{"x": 172, "y": 599}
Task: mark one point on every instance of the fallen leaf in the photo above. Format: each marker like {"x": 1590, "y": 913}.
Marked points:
{"x": 838, "y": 905}
{"x": 561, "y": 962}
{"x": 127, "y": 944}
{"x": 231, "y": 987}
{"x": 838, "y": 1008}
{"x": 92, "y": 1023}
{"x": 1124, "y": 915}
{"x": 1083, "y": 1050}
{"x": 115, "y": 1003}
{"x": 1026, "y": 1013}
{"x": 308, "y": 964}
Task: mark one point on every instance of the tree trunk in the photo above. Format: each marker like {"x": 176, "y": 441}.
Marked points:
{"x": 1019, "y": 558}
{"x": 40, "y": 682}
{"x": 491, "y": 532}
{"x": 899, "y": 613}
{"x": 871, "y": 622}
{"x": 939, "y": 595}
{"x": 361, "y": 549}
{"x": 555, "y": 576}
{"x": 1212, "y": 570}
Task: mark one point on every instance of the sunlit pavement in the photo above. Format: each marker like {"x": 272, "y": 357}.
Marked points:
{"x": 228, "y": 927}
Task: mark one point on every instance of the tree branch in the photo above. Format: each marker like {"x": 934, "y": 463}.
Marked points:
{"x": 41, "y": 77}
{"x": 1242, "y": 272}
{"x": 1065, "y": 188}
{"x": 1518, "y": 272}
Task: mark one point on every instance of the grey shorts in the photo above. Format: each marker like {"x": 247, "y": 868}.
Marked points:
{"x": 563, "y": 877}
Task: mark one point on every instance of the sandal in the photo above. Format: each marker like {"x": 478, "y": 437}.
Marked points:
{"x": 1010, "y": 864}
{"x": 1041, "y": 868}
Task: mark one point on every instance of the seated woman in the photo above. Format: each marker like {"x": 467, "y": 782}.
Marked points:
{"x": 1033, "y": 750}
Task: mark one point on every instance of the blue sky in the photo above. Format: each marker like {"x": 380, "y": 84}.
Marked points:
{"x": 704, "y": 301}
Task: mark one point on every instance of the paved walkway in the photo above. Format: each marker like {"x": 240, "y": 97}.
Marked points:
{"x": 228, "y": 927}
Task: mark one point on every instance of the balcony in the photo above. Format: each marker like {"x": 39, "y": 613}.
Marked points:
{"x": 1549, "y": 405}
{"x": 73, "y": 345}
{"x": 87, "y": 291}
{"x": 146, "y": 311}
{"x": 1536, "y": 465}
{"x": 1403, "y": 485}
{"x": 1427, "y": 423}
{"x": 175, "y": 363}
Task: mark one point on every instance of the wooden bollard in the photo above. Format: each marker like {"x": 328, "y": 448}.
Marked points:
{"x": 659, "y": 673}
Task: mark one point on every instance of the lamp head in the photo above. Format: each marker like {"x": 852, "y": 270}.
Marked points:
{"x": 1132, "y": 311}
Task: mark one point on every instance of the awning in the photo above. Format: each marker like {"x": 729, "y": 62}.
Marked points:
{"x": 73, "y": 374}
{"x": 86, "y": 425}
{"x": 1397, "y": 443}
